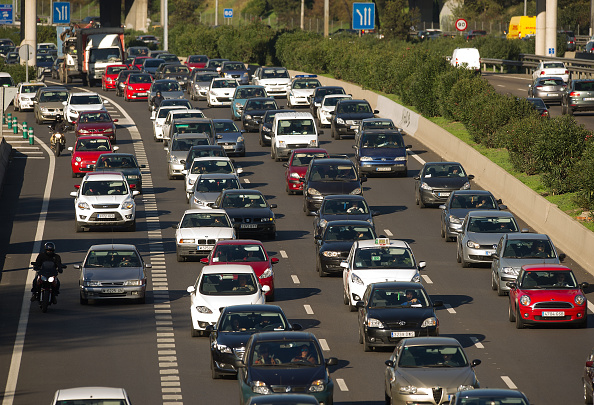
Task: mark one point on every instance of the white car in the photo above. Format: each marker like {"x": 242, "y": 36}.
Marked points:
{"x": 219, "y": 286}
{"x": 374, "y": 261}
{"x": 220, "y": 92}
{"x": 549, "y": 68}
{"x": 199, "y": 230}
{"x": 104, "y": 199}
{"x": 327, "y": 106}
{"x": 212, "y": 165}
{"x": 23, "y": 100}
{"x": 78, "y": 102}
{"x": 301, "y": 89}
{"x": 94, "y": 395}
{"x": 160, "y": 117}
{"x": 276, "y": 80}
{"x": 178, "y": 114}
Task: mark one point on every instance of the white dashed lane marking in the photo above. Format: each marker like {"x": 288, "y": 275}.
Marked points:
{"x": 246, "y": 180}
{"x": 476, "y": 343}
{"x": 590, "y": 306}
{"x": 449, "y": 308}
{"x": 427, "y": 279}
{"x": 416, "y": 157}
{"x": 388, "y": 233}
{"x": 284, "y": 254}
{"x": 308, "y": 309}
{"x": 509, "y": 382}
{"x": 341, "y": 384}
{"x": 295, "y": 279}
{"x": 324, "y": 344}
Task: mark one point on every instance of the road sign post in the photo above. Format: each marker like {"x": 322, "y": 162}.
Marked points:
{"x": 61, "y": 12}
{"x": 363, "y": 16}
{"x": 26, "y": 54}
{"x": 461, "y": 24}
{"x": 6, "y": 14}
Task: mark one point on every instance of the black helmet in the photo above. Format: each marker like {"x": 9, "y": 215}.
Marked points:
{"x": 49, "y": 247}
{"x": 58, "y": 118}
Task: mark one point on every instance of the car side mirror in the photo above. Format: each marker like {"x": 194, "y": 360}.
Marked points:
{"x": 191, "y": 289}
{"x": 584, "y": 285}
{"x": 332, "y": 361}
{"x": 422, "y": 265}
{"x": 355, "y": 147}
{"x": 363, "y": 179}
{"x": 219, "y": 136}
{"x": 185, "y": 171}
{"x": 475, "y": 363}
{"x": 408, "y": 146}
{"x": 115, "y": 148}
{"x": 360, "y": 304}
{"x": 562, "y": 256}
{"x": 64, "y": 103}
{"x": 296, "y": 326}
{"x": 210, "y": 328}
{"x": 273, "y": 206}
{"x": 77, "y": 186}
{"x": 389, "y": 363}
{"x": 73, "y": 194}
{"x": 375, "y": 213}
{"x": 494, "y": 255}
{"x": 344, "y": 264}
{"x": 176, "y": 226}
{"x": 511, "y": 284}
{"x": 239, "y": 170}
{"x": 442, "y": 206}
{"x": 470, "y": 176}
{"x": 115, "y": 120}
{"x": 166, "y": 149}
{"x": 502, "y": 206}
{"x": 204, "y": 260}
{"x": 70, "y": 148}
{"x": 438, "y": 303}
{"x": 376, "y": 111}
{"x": 274, "y": 260}
{"x": 77, "y": 266}
{"x": 148, "y": 266}
{"x": 265, "y": 288}
{"x": 286, "y": 165}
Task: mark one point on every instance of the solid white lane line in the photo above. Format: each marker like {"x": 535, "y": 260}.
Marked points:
{"x": 324, "y": 344}
{"x": 416, "y": 157}
{"x": 246, "y": 180}
{"x": 476, "y": 343}
{"x": 388, "y": 233}
{"x": 449, "y": 308}
{"x": 341, "y": 384}
{"x": 509, "y": 382}
{"x": 427, "y": 279}
{"x": 308, "y": 309}
{"x": 284, "y": 254}
{"x": 295, "y": 279}
{"x": 500, "y": 85}
{"x": 590, "y": 306}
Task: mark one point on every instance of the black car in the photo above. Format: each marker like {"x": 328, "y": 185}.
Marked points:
{"x": 341, "y": 207}
{"x": 215, "y": 64}
{"x": 347, "y": 116}
{"x": 125, "y": 163}
{"x": 135, "y": 51}
{"x": 394, "y": 310}
{"x": 229, "y": 137}
{"x": 381, "y": 151}
{"x": 285, "y": 362}
{"x": 539, "y": 105}
{"x": 249, "y": 211}
{"x": 203, "y": 151}
{"x": 491, "y": 396}
{"x": 169, "y": 57}
{"x": 151, "y": 65}
{"x": 174, "y": 71}
{"x": 335, "y": 243}
{"x": 12, "y": 58}
{"x": 319, "y": 94}
{"x": 254, "y": 110}
{"x": 284, "y": 399}
{"x": 328, "y": 176}
{"x": 437, "y": 180}
{"x": 266, "y": 125}
{"x": 235, "y": 326}
{"x": 121, "y": 79}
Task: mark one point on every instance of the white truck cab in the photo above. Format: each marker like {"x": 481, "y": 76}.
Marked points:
{"x": 292, "y": 130}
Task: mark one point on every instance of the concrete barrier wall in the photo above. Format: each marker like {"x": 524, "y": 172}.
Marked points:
{"x": 542, "y": 216}
{"x": 5, "y": 149}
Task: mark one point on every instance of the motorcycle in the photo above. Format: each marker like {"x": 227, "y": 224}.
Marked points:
{"x": 57, "y": 142}
{"x": 46, "y": 291}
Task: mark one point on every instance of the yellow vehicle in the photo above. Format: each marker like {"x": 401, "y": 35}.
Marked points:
{"x": 520, "y": 26}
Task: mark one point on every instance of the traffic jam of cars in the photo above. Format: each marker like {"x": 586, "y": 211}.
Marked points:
{"x": 223, "y": 227}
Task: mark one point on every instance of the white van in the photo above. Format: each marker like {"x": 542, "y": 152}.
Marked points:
{"x": 292, "y": 131}
{"x": 468, "y": 58}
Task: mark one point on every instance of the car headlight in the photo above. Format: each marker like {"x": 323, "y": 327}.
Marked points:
{"x": 473, "y": 245}
{"x": 455, "y": 220}
{"x": 266, "y": 129}
{"x": 408, "y": 389}
{"x": 78, "y": 159}
{"x": 268, "y": 219}
{"x": 199, "y": 202}
{"x": 223, "y": 348}
{"x": 203, "y": 310}
{"x": 313, "y": 191}
{"x": 245, "y": 74}
{"x": 43, "y": 109}
{"x": 313, "y": 143}
{"x": 91, "y": 283}
{"x": 330, "y": 253}
{"x": 83, "y": 206}
{"x": 267, "y": 273}
{"x": 197, "y": 87}
{"x": 238, "y": 105}
{"x": 317, "y": 386}
{"x": 187, "y": 241}
{"x": 83, "y": 131}
{"x": 400, "y": 159}
{"x": 432, "y": 321}
{"x": 239, "y": 139}
{"x": 130, "y": 88}
{"x": 426, "y": 186}
{"x": 355, "y": 279}
{"x": 525, "y": 300}
{"x": 356, "y": 191}
{"x": 248, "y": 117}
{"x": 365, "y": 158}
{"x": 416, "y": 278}
{"x": 323, "y": 223}
{"x": 174, "y": 160}
{"x": 512, "y": 271}
{"x": 466, "y": 186}
{"x": 294, "y": 176}
{"x": 259, "y": 387}
{"x": 374, "y": 323}
{"x": 191, "y": 181}
{"x": 133, "y": 282}
{"x": 128, "y": 205}
{"x": 339, "y": 121}
{"x": 108, "y": 131}
{"x": 282, "y": 144}
{"x": 465, "y": 387}
{"x": 579, "y": 300}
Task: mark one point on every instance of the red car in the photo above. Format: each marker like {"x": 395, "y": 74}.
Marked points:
{"x": 297, "y": 166}
{"x": 196, "y": 61}
{"x": 85, "y": 152}
{"x": 547, "y": 293}
{"x": 96, "y": 123}
{"x": 137, "y": 85}
{"x": 138, "y": 61}
{"x": 245, "y": 251}
{"x": 108, "y": 79}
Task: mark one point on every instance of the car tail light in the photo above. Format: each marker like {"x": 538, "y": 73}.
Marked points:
{"x": 544, "y": 114}
{"x": 542, "y": 72}
{"x": 538, "y": 87}
{"x": 574, "y": 94}
{"x": 566, "y": 72}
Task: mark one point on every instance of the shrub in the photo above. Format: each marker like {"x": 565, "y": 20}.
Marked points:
{"x": 519, "y": 137}
{"x": 581, "y": 176}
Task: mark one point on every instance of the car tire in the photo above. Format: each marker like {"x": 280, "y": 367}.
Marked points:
{"x": 272, "y": 153}
{"x": 194, "y": 332}
{"x": 272, "y": 235}
{"x": 366, "y": 346}
{"x": 588, "y": 397}
{"x": 14, "y": 107}
{"x": 569, "y": 111}
{"x": 213, "y": 372}
{"x": 77, "y": 227}
{"x": 270, "y": 298}
{"x": 442, "y": 231}
{"x": 422, "y": 203}
{"x": 321, "y": 272}
{"x": 180, "y": 257}
{"x": 83, "y": 301}
{"x": 493, "y": 283}
{"x": 511, "y": 314}
{"x": 352, "y": 308}
{"x": 360, "y": 336}
{"x": 458, "y": 257}
{"x": 465, "y": 264}
{"x": 132, "y": 227}
{"x": 563, "y": 109}
{"x": 583, "y": 324}
{"x": 416, "y": 199}
{"x": 141, "y": 300}
{"x": 169, "y": 175}
{"x": 500, "y": 291}
{"x": 519, "y": 321}
{"x": 387, "y": 399}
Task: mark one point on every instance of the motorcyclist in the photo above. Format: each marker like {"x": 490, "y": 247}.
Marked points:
{"x": 48, "y": 263}
{"x": 157, "y": 100}
{"x": 58, "y": 127}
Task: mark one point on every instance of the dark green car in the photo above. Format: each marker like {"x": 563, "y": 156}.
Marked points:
{"x": 125, "y": 163}
{"x": 579, "y": 97}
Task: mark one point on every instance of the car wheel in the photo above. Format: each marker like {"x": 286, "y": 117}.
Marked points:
{"x": 366, "y": 346}
{"x": 194, "y": 332}
{"x": 337, "y": 136}
{"x": 587, "y": 394}
{"x": 272, "y": 235}
{"x": 352, "y": 308}
{"x": 519, "y": 321}
{"x": 569, "y": 111}
{"x": 582, "y": 325}
{"x": 83, "y": 301}
{"x": 132, "y": 227}
{"x": 77, "y": 227}
{"x": 563, "y": 109}
{"x": 387, "y": 399}
{"x": 345, "y": 297}
{"x": 15, "y": 108}
{"x": 442, "y": 231}
{"x": 321, "y": 272}
{"x": 169, "y": 175}
{"x": 465, "y": 264}
{"x": 500, "y": 291}
{"x": 141, "y": 300}
{"x": 180, "y": 257}
{"x": 511, "y": 314}
{"x": 458, "y": 257}
{"x": 270, "y": 298}
{"x": 416, "y": 199}
{"x": 493, "y": 283}
{"x": 361, "y": 336}
{"x": 422, "y": 203}
{"x": 213, "y": 372}
{"x": 272, "y": 153}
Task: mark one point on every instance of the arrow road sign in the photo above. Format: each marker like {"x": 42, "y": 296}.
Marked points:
{"x": 363, "y": 16}
{"x": 61, "y": 12}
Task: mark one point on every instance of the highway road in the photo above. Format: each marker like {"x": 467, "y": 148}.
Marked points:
{"x": 148, "y": 350}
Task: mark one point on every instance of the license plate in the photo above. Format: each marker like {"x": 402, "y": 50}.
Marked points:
{"x": 402, "y": 334}
{"x": 553, "y": 313}
{"x": 383, "y": 169}
{"x": 276, "y": 89}
{"x": 354, "y": 126}
{"x": 443, "y": 194}
{"x": 105, "y": 215}
{"x": 142, "y": 94}
{"x": 112, "y": 290}
{"x": 552, "y": 95}
{"x": 249, "y": 226}
{"x": 588, "y": 98}
{"x": 228, "y": 146}
{"x": 205, "y": 247}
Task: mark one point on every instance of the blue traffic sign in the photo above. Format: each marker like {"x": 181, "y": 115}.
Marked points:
{"x": 6, "y": 14}
{"x": 228, "y": 13}
{"x": 551, "y": 51}
{"x": 363, "y": 16}
{"x": 61, "y": 12}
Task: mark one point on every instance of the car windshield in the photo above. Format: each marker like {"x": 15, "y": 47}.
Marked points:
{"x": 529, "y": 249}
{"x": 151, "y": 63}
{"x": 205, "y": 77}
{"x": 6, "y": 81}
{"x": 202, "y": 152}
{"x": 549, "y": 82}
{"x": 117, "y": 162}
{"x": 193, "y": 128}
{"x": 275, "y": 74}
{"x": 166, "y": 86}
{"x": 342, "y": 207}
{"x": 492, "y": 224}
{"x": 388, "y": 257}
{"x": 94, "y": 117}
{"x": 306, "y": 84}
{"x": 52, "y": 96}
{"x": 225, "y": 126}
{"x": 285, "y": 353}
{"x": 30, "y": 89}
{"x": 252, "y": 322}
{"x": 92, "y": 145}
{"x": 296, "y": 127}
{"x": 206, "y": 185}
{"x": 398, "y": 298}
{"x": 303, "y": 159}
{"x": 105, "y": 187}
{"x": 167, "y": 57}
{"x": 197, "y": 59}
{"x": 187, "y": 143}
{"x": 548, "y": 279}
{"x": 111, "y": 259}
{"x": 554, "y": 65}
{"x": 432, "y": 356}
{"x": 176, "y": 101}
{"x": 345, "y": 233}
{"x": 187, "y": 114}
{"x": 44, "y": 58}
{"x": 104, "y": 55}
{"x": 444, "y": 170}
{"x": 211, "y": 166}
{"x": 112, "y": 70}
{"x": 233, "y": 66}
{"x": 224, "y": 84}
{"x": 197, "y": 220}
{"x": 244, "y": 201}
{"x": 228, "y": 284}
{"x": 320, "y": 93}
{"x": 177, "y": 69}
{"x": 325, "y": 172}
{"x": 353, "y": 108}
{"x": 382, "y": 140}
{"x": 538, "y": 103}
{"x": 78, "y": 100}
{"x": 140, "y": 79}
{"x": 331, "y": 101}
{"x": 260, "y": 105}
{"x": 239, "y": 254}
{"x": 163, "y": 111}
{"x": 250, "y": 92}
{"x": 470, "y": 399}
{"x": 483, "y": 202}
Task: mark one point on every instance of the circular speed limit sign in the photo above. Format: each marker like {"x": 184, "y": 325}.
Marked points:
{"x": 461, "y": 24}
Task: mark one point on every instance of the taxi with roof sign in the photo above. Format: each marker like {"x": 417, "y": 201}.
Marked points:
{"x": 301, "y": 89}
{"x": 374, "y": 261}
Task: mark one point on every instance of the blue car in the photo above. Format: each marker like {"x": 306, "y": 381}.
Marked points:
{"x": 151, "y": 65}
{"x": 381, "y": 151}
{"x": 229, "y": 137}
{"x": 44, "y": 61}
{"x": 235, "y": 70}
{"x": 240, "y": 97}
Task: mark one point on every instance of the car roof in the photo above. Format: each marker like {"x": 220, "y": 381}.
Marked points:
{"x": 490, "y": 213}
{"x": 352, "y": 222}
{"x": 217, "y": 176}
{"x": 292, "y": 115}
{"x": 228, "y": 268}
{"x": 91, "y": 393}
{"x": 204, "y": 158}
{"x": 545, "y": 267}
{"x": 118, "y": 154}
{"x": 329, "y": 87}
{"x": 492, "y": 392}
{"x": 352, "y": 101}
{"x": 253, "y": 307}
{"x": 282, "y": 335}
{"x": 93, "y": 112}
{"x": 471, "y": 192}
{"x": 442, "y": 163}
{"x": 527, "y": 236}
{"x": 431, "y": 341}
{"x": 381, "y": 131}
{"x": 350, "y": 197}
{"x": 398, "y": 285}
{"x": 207, "y": 147}
{"x": 369, "y": 243}
{"x": 240, "y": 242}
{"x": 309, "y": 150}
{"x": 243, "y": 191}
{"x": 102, "y": 176}
{"x": 331, "y": 161}
{"x": 191, "y": 119}
{"x": 203, "y": 211}
{"x": 92, "y": 137}
{"x": 86, "y": 93}
{"x": 113, "y": 246}
{"x": 191, "y": 135}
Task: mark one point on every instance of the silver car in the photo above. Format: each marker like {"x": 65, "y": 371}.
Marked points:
{"x": 428, "y": 370}
{"x": 550, "y": 89}
{"x": 113, "y": 271}
{"x": 47, "y": 103}
{"x": 517, "y": 249}
{"x": 170, "y": 89}
{"x": 178, "y": 151}
{"x": 94, "y": 395}
{"x": 481, "y": 231}
{"x": 199, "y": 83}
{"x": 207, "y": 188}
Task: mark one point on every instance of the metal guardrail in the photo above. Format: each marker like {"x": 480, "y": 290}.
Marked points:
{"x": 578, "y": 68}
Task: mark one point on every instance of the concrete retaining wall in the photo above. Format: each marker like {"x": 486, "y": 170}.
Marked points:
{"x": 544, "y": 217}
{"x": 5, "y": 150}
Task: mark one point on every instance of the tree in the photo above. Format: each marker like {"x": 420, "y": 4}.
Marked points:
{"x": 396, "y": 19}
